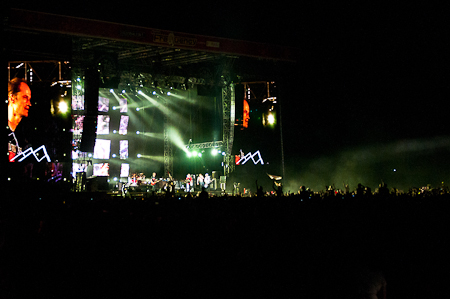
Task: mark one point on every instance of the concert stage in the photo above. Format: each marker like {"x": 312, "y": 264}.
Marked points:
{"x": 143, "y": 100}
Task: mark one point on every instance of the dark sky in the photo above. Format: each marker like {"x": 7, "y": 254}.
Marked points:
{"x": 367, "y": 97}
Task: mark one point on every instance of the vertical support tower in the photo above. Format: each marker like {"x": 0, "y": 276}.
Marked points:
{"x": 229, "y": 118}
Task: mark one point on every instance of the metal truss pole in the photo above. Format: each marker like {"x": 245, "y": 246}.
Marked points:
{"x": 204, "y": 145}
{"x": 168, "y": 151}
{"x": 229, "y": 118}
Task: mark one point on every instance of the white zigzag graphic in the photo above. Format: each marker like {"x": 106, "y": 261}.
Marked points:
{"x": 249, "y": 156}
{"x": 30, "y": 151}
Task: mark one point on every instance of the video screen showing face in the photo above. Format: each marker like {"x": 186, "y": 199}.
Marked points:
{"x": 77, "y": 102}
{"x": 123, "y": 126}
{"x": 124, "y": 170}
{"x": 123, "y": 149}
{"x": 103, "y": 104}
{"x": 123, "y": 105}
{"x": 101, "y": 169}
{"x": 103, "y": 124}
{"x": 78, "y": 124}
{"x": 39, "y": 128}
{"x": 102, "y": 149}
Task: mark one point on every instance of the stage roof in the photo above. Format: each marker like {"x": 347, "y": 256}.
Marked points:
{"x": 141, "y": 47}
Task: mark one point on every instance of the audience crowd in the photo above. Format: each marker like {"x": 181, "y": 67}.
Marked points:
{"x": 303, "y": 244}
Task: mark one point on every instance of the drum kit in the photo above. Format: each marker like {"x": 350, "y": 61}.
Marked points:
{"x": 138, "y": 181}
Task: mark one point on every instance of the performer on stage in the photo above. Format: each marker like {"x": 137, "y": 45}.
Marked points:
{"x": 153, "y": 181}
{"x": 189, "y": 183}
{"x": 133, "y": 180}
{"x": 200, "y": 181}
{"x": 207, "y": 180}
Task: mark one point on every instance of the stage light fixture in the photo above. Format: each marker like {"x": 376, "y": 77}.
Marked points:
{"x": 63, "y": 107}
{"x": 271, "y": 119}
{"x": 137, "y": 132}
{"x": 189, "y": 154}
{"x": 111, "y": 90}
{"x": 214, "y": 152}
{"x": 199, "y": 155}
{"x": 114, "y": 131}
{"x": 124, "y": 91}
{"x": 137, "y": 109}
{"x": 139, "y": 155}
{"x": 194, "y": 153}
{"x": 114, "y": 155}
{"x": 168, "y": 93}
{"x": 154, "y": 93}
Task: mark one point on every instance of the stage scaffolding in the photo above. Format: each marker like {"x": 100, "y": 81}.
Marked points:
{"x": 228, "y": 121}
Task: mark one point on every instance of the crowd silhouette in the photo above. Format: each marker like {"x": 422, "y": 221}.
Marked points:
{"x": 327, "y": 244}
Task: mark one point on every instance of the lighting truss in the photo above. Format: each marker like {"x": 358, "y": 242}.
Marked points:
{"x": 229, "y": 118}
{"x": 204, "y": 145}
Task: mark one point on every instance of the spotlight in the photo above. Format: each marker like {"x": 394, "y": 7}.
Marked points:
{"x": 199, "y": 155}
{"x": 139, "y": 155}
{"x": 137, "y": 109}
{"x": 188, "y": 154}
{"x": 194, "y": 153}
{"x": 114, "y": 155}
{"x": 63, "y": 107}
{"x": 214, "y": 152}
{"x": 168, "y": 93}
{"x": 114, "y": 131}
{"x": 137, "y": 132}
{"x": 111, "y": 90}
{"x": 154, "y": 93}
{"x": 114, "y": 108}
{"x": 140, "y": 92}
{"x": 123, "y": 91}
{"x": 271, "y": 119}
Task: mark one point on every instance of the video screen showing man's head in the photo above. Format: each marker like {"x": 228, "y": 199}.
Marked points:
{"x": 19, "y": 103}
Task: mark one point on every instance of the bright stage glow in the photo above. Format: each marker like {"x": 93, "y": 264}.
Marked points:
{"x": 63, "y": 107}
{"x": 111, "y": 90}
{"x": 214, "y": 152}
{"x": 175, "y": 138}
{"x": 271, "y": 119}
{"x": 139, "y": 155}
{"x": 159, "y": 159}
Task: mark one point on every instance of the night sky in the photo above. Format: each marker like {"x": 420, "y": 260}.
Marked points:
{"x": 367, "y": 100}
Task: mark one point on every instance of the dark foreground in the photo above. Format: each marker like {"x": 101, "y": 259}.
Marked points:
{"x": 96, "y": 246}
